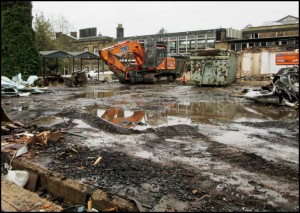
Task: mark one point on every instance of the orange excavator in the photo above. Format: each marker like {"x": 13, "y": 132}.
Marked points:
{"x": 133, "y": 62}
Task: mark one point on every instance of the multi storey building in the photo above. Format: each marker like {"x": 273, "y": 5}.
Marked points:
{"x": 283, "y": 34}
{"x": 279, "y": 35}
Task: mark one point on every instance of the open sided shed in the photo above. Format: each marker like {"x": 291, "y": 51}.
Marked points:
{"x": 84, "y": 56}
{"x": 61, "y": 54}
{"x": 52, "y": 54}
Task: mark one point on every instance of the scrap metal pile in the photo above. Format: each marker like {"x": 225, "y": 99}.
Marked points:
{"x": 283, "y": 89}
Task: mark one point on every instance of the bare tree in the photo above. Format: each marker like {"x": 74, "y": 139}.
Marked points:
{"x": 162, "y": 31}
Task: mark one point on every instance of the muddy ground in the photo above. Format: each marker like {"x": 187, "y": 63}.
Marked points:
{"x": 195, "y": 148}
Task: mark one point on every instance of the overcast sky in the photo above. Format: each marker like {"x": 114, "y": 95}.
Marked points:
{"x": 148, "y": 17}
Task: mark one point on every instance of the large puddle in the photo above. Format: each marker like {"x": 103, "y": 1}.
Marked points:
{"x": 192, "y": 113}
{"x": 170, "y": 112}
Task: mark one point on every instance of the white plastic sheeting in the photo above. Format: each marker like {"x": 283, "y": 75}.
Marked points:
{"x": 18, "y": 87}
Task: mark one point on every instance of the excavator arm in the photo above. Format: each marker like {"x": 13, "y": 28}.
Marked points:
{"x": 111, "y": 56}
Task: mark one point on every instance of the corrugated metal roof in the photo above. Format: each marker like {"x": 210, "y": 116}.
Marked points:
{"x": 55, "y": 54}
{"x": 62, "y": 54}
{"x": 83, "y": 55}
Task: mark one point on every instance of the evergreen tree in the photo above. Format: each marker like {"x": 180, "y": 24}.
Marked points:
{"x": 19, "y": 52}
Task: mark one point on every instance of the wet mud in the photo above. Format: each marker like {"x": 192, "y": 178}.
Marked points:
{"x": 193, "y": 148}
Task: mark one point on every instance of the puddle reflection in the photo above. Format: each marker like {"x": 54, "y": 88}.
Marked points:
{"x": 123, "y": 118}
{"x": 100, "y": 94}
{"x": 193, "y": 113}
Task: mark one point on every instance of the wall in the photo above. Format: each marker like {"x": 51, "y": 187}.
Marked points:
{"x": 256, "y": 63}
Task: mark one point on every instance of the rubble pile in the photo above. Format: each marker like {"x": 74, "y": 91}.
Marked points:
{"x": 283, "y": 89}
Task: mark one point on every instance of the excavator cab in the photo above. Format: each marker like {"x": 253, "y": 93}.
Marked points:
{"x": 155, "y": 53}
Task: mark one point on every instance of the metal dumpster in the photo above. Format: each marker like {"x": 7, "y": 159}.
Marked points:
{"x": 214, "y": 67}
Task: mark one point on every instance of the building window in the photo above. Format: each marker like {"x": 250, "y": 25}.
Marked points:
{"x": 256, "y": 44}
{"x": 85, "y": 49}
{"x": 96, "y": 50}
{"x": 255, "y": 35}
{"x": 238, "y": 47}
{"x": 218, "y": 35}
{"x": 192, "y": 44}
{"x": 210, "y": 35}
{"x": 201, "y": 44}
{"x": 291, "y": 42}
{"x": 263, "y": 44}
{"x": 173, "y": 39}
{"x": 251, "y": 44}
{"x": 244, "y": 45}
{"x": 232, "y": 47}
{"x": 283, "y": 42}
{"x": 270, "y": 43}
{"x": 211, "y": 43}
{"x": 172, "y": 44}
{"x": 183, "y": 46}
{"x": 247, "y": 35}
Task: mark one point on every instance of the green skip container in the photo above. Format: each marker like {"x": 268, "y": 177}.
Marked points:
{"x": 213, "y": 67}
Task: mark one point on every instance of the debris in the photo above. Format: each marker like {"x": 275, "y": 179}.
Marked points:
{"x": 76, "y": 78}
{"x": 73, "y": 133}
{"x": 47, "y": 205}
{"x": 54, "y": 136}
{"x": 31, "y": 183}
{"x": 24, "y": 94}
{"x": 137, "y": 203}
{"x": 22, "y": 151}
{"x": 204, "y": 196}
{"x": 42, "y": 137}
{"x": 110, "y": 210}
{"x": 283, "y": 90}
{"x": 18, "y": 177}
{"x": 76, "y": 208}
{"x": 195, "y": 191}
{"x": 294, "y": 105}
{"x": 89, "y": 204}
{"x": 18, "y": 87}
{"x": 73, "y": 150}
{"x": 97, "y": 161}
